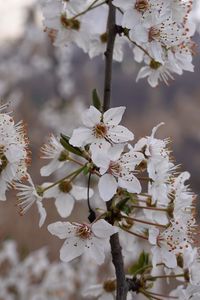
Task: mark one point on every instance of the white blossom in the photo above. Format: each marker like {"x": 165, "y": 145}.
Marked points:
{"x": 83, "y": 237}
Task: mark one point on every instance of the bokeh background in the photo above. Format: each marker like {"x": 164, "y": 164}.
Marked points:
{"x": 48, "y": 88}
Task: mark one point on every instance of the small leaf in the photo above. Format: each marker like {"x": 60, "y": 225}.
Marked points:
{"x": 96, "y": 100}
{"x": 86, "y": 170}
{"x": 140, "y": 266}
{"x": 64, "y": 140}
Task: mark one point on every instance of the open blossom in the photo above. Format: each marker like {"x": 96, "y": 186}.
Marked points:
{"x": 66, "y": 194}
{"x": 101, "y": 130}
{"x": 83, "y": 237}
{"x": 56, "y": 153}
{"x": 117, "y": 170}
{"x": 62, "y": 25}
{"x": 28, "y": 195}
{"x": 167, "y": 244}
{"x": 136, "y": 11}
{"x": 183, "y": 199}
{"x": 14, "y": 155}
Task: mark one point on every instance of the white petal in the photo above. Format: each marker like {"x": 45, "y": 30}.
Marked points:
{"x": 42, "y": 213}
{"x": 120, "y": 134}
{"x": 81, "y": 137}
{"x": 103, "y": 229}
{"x": 80, "y": 193}
{"x": 139, "y": 34}
{"x": 62, "y": 229}
{"x": 169, "y": 258}
{"x": 101, "y": 159}
{"x": 64, "y": 204}
{"x": 107, "y": 187}
{"x": 131, "y": 183}
{"x": 72, "y": 248}
{"x": 153, "y": 235}
{"x": 115, "y": 151}
{"x": 54, "y": 165}
{"x": 91, "y": 117}
{"x": 113, "y": 116}
{"x": 96, "y": 249}
{"x": 131, "y": 18}
{"x": 156, "y": 255}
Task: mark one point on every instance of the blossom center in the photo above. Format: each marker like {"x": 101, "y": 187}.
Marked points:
{"x": 65, "y": 186}
{"x": 109, "y": 286}
{"x": 63, "y": 155}
{"x": 83, "y": 231}
{"x": 69, "y": 23}
{"x": 154, "y": 34}
{"x": 104, "y": 38}
{"x": 100, "y": 130}
{"x": 141, "y": 5}
{"x": 115, "y": 168}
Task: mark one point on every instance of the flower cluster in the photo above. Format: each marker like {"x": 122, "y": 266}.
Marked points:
{"x": 14, "y": 155}
{"x": 147, "y": 196}
{"x": 159, "y": 32}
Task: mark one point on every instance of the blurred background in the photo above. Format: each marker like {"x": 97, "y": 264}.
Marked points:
{"x": 48, "y": 88}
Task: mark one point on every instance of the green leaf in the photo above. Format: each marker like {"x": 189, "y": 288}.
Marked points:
{"x": 140, "y": 266}
{"x": 64, "y": 140}
{"x": 86, "y": 170}
{"x": 96, "y": 100}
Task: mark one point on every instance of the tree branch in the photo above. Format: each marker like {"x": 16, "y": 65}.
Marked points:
{"x": 116, "y": 250}
{"x": 111, "y": 34}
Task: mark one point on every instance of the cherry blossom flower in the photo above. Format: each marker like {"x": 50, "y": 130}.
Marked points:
{"x": 168, "y": 244}
{"x": 14, "y": 155}
{"x": 118, "y": 170}
{"x": 83, "y": 237}
{"x": 60, "y": 22}
{"x": 66, "y": 194}
{"x": 58, "y": 155}
{"x": 28, "y": 195}
{"x": 100, "y": 129}
{"x": 136, "y": 11}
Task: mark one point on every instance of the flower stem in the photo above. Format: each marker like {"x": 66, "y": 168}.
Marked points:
{"x": 143, "y": 221}
{"x": 93, "y": 5}
{"x": 71, "y": 176}
{"x": 134, "y": 233}
{"x": 150, "y": 208}
{"x": 116, "y": 251}
{"x": 165, "y": 276}
{"x": 163, "y": 296}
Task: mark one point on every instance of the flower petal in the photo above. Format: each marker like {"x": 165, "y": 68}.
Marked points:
{"x": 42, "y": 213}
{"x": 62, "y": 229}
{"x": 120, "y": 134}
{"x": 54, "y": 165}
{"x": 80, "y": 193}
{"x": 131, "y": 183}
{"x": 113, "y": 116}
{"x": 103, "y": 229}
{"x": 96, "y": 249}
{"x": 91, "y": 117}
{"x": 72, "y": 248}
{"x": 64, "y": 204}
{"x": 81, "y": 137}
{"x": 107, "y": 187}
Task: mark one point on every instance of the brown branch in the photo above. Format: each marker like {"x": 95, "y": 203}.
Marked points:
{"x": 116, "y": 251}
{"x": 111, "y": 32}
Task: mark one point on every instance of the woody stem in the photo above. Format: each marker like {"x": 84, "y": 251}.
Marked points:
{"x": 116, "y": 251}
